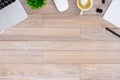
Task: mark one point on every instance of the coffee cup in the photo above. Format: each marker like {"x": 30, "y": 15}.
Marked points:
{"x": 84, "y": 5}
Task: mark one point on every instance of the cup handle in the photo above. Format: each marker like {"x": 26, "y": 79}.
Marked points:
{"x": 81, "y": 13}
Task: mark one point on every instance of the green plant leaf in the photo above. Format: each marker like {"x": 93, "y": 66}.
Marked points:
{"x": 35, "y": 4}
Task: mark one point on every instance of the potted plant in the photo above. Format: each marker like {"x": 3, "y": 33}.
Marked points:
{"x": 35, "y": 4}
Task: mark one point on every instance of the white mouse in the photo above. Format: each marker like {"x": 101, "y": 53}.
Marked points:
{"x": 62, "y": 5}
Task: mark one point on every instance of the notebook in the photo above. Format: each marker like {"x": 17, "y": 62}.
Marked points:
{"x": 112, "y": 15}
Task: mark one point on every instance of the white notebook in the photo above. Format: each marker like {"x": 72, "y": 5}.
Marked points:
{"x": 112, "y": 15}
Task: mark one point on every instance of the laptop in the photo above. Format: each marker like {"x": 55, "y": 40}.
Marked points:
{"x": 11, "y": 13}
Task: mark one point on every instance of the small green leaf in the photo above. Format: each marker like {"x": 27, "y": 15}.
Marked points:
{"x": 35, "y": 4}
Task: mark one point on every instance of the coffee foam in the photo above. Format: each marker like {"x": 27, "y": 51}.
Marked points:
{"x": 84, "y": 4}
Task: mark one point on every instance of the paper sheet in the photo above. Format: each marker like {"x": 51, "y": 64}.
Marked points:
{"x": 112, "y": 15}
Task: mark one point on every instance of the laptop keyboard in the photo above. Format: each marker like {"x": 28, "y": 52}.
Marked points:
{"x": 4, "y": 3}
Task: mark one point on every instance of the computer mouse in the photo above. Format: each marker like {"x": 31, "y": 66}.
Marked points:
{"x": 62, "y": 5}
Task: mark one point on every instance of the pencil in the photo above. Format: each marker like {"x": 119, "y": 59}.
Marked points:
{"x": 112, "y": 32}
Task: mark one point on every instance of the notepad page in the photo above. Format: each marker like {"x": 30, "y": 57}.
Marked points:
{"x": 112, "y": 15}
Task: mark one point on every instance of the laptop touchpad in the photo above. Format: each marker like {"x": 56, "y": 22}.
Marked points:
{"x": 15, "y": 12}
{"x": 5, "y": 23}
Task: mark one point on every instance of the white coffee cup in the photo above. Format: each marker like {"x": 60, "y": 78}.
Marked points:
{"x": 84, "y": 5}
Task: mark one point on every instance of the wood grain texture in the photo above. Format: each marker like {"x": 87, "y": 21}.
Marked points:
{"x": 50, "y": 45}
{"x": 100, "y": 72}
{"x": 41, "y": 34}
{"x": 81, "y": 57}
{"x": 40, "y": 71}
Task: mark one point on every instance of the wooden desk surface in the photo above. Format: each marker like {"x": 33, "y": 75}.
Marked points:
{"x": 60, "y": 46}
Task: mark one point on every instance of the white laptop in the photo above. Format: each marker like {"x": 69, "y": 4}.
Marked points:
{"x": 11, "y": 13}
